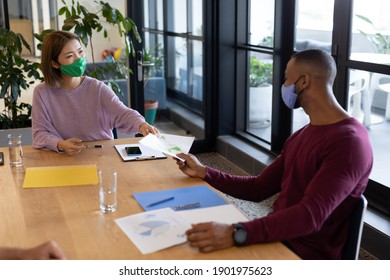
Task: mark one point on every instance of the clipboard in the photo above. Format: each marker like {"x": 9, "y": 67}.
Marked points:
{"x": 146, "y": 153}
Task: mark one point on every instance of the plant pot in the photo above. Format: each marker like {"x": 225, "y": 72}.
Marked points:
{"x": 150, "y": 107}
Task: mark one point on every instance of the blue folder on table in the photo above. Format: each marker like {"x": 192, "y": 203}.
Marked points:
{"x": 184, "y": 198}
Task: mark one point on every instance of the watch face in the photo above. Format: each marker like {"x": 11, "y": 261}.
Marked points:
{"x": 240, "y": 235}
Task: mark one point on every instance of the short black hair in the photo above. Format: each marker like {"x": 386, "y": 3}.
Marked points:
{"x": 319, "y": 59}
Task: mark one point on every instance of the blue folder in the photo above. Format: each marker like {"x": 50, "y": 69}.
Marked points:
{"x": 200, "y": 196}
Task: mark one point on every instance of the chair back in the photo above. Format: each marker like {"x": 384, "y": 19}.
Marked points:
{"x": 356, "y": 221}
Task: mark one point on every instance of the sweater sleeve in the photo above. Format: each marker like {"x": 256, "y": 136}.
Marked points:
{"x": 125, "y": 119}
{"x": 44, "y": 134}
{"x": 251, "y": 188}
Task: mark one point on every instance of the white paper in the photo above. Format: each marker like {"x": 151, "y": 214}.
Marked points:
{"x": 154, "y": 230}
{"x": 168, "y": 144}
{"x": 228, "y": 214}
{"x": 163, "y": 228}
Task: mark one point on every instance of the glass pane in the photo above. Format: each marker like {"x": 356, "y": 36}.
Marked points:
{"x": 368, "y": 100}
{"x": 196, "y": 74}
{"x": 177, "y": 16}
{"x": 371, "y": 43}
{"x": 262, "y": 23}
{"x": 153, "y": 17}
{"x": 160, "y": 17}
{"x": 197, "y": 18}
{"x": 358, "y": 95}
{"x": 154, "y": 52}
{"x": 260, "y": 95}
{"x": 371, "y": 31}
{"x": 2, "y": 15}
{"x": 20, "y": 21}
{"x": 314, "y": 25}
{"x": 177, "y": 64}
{"x": 147, "y": 13}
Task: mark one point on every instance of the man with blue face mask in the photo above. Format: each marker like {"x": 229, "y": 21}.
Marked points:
{"x": 319, "y": 176}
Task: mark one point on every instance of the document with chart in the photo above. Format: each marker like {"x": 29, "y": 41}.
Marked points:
{"x": 154, "y": 230}
{"x": 168, "y": 143}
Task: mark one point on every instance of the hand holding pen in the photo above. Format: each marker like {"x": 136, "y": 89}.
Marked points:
{"x": 71, "y": 146}
{"x": 191, "y": 166}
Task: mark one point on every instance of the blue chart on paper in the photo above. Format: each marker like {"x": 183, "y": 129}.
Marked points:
{"x": 201, "y": 196}
{"x": 150, "y": 228}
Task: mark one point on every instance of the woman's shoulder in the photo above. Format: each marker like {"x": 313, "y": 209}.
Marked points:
{"x": 91, "y": 80}
{"x": 93, "y": 83}
{"x": 42, "y": 89}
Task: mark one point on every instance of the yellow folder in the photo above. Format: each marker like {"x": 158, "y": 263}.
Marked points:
{"x": 60, "y": 176}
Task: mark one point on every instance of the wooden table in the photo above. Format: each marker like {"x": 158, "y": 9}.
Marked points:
{"x": 71, "y": 216}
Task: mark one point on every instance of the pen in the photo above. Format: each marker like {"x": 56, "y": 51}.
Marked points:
{"x": 94, "y": 146}
{"x": 145, "y": 157}
{"x": 160, "y": 201}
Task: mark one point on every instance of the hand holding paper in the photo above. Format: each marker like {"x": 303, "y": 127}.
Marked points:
{"x": 169, "y": 144}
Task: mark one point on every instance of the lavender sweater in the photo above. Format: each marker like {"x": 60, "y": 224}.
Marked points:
{"x": 89, "y": 112}
{"x": 320, "y": 174}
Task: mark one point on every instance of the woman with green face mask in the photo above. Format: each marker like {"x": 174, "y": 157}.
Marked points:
{"x": 69, "y": 108}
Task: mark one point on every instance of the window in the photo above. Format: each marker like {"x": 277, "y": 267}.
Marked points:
{"x": 174, "y": 30}
{"x": 370, "y": 42}
{"x": 314, "y": 26}
{"x": 256, "y": 46}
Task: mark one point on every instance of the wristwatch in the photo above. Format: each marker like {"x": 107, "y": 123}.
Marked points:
{"x": 240, "y": 235}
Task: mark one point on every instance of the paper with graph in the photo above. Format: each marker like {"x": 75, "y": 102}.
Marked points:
{"x": 162, "y": 228}
{"x": 168, "y": 143}
{"x": 154, "y": 230}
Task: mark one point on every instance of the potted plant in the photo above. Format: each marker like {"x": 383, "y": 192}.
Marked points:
{"x": 260, "y": 92}
{"x": 154, "y": 82}
{"x": 155, "y": 57}
{"x": 17, "y": 74}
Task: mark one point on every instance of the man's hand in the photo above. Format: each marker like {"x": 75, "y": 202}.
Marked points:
{"x": 191, "y": 166}
{"x": 146, "y": 128}
{"x": 70, "y": 146}
{"x": 208, "y": 237}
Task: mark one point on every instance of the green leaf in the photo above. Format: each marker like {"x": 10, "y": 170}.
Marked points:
{"x": 364, "y": 18}
{"x": 4, "y": 89}
{"x": 15, "y": 92}
{"x": 26, "y": 45}
{"x": 62, "y": 11}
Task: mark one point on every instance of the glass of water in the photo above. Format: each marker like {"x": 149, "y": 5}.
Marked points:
{"x": 15, "y": 150}
{"x": 108, "y": 191}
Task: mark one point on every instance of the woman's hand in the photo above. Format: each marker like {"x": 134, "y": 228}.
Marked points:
{"x": 46, "y": 251}
{"x": 70, "y": 146}
{"x": 146, "y": 128}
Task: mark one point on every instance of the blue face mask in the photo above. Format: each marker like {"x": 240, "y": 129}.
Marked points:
{"x": 289, "y": 95}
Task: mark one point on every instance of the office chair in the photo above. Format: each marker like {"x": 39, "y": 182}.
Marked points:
{"x": 381, "y": 82}
{"x": 359, "y": 91}
{"x": 356, "y": 221}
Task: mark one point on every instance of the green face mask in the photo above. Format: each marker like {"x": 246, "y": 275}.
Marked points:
{"x": 76, "y": 69}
